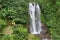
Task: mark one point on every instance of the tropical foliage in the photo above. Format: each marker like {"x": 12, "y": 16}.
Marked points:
{"x": 14, "y": 13}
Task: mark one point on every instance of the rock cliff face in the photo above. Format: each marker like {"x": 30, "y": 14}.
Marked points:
{"x": 44, "y": 34}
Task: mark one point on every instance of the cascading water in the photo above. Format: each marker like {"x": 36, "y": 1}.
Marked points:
{"x": 35, "y": 22}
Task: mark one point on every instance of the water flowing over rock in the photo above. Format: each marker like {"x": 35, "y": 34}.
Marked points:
{"x": 35, "y": 20}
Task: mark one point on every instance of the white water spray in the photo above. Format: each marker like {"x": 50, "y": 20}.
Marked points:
{"x": 35, "y": 21}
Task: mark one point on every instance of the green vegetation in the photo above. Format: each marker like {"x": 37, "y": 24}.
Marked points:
{"x": 14, "y": 13}
{"x": 50, "y": 16}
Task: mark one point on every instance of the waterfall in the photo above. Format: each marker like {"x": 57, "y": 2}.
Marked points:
{"x": 35, "y": 21}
